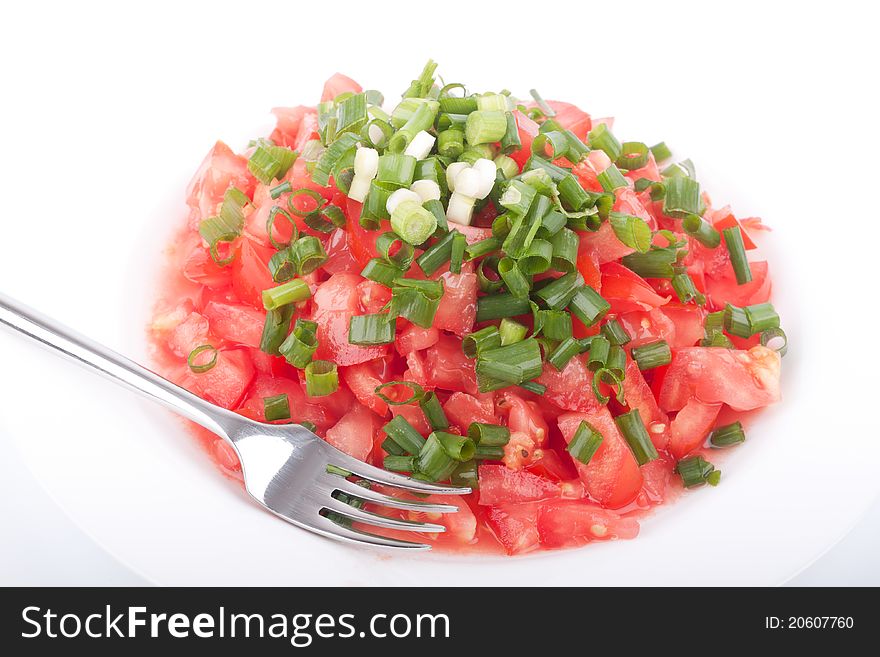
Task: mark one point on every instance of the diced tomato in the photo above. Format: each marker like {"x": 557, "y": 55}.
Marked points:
{"x": 603, "y": 245}
{"x": 520, "y": 450}
{"x": 250, "y": 272}
{"x": 340, "y": 259}
{"x": 548, "y": 464}
{"x": 572, "y": 388}
{"x": 742, "y": 379}
{"x": 287, "y": 125}
{"x": 355, "y": 431}
{"x": 183, "y": 330}
{"x": 655, "y": 476}
{"x": 627, "y": 291}
{"x": 527, "y": 129}
{"x": 724, "y": 289}
{"x": 588, "y": 267}
{"x": 567, "y": 523}
{"x": 474, "y": 234}
{"x": 639, "y": 396}
{"x": 645, "y": 327}
{"x": 226, "y": 382}
{"x": 570, "y": 117}
{"x": 629, "y": 203}
{"x": 525, "y": 416}
{"x": 688, "y": 321}
{"x": 339, "y": 84}
{"x": 649, "y": 171}
{"x": 612, "y": 476}
{"x": 458, "y": 306}
{"x": 462, "y": 409}
{"x": 447, "y": 367}
{"x": 515, "y": 526}
{"x": 723, "y": 218}
{"x": 415, "y": 338}
{"x": 413, "y": 414}
{"x": 220, "y": 170}
{"x": 461, "y": 526}
{"x": 363, "y": 379}
{"x": 372, "y": 296}
{"x": 236, "y": 323}
{"x": 691, "y": 426}
{"x": 271, "y": 365}
{"x": 501, "y": 485}
{"x": 199, "y": 267}
{"x": 301, "y": 407}
{"x": 336, "y": 301}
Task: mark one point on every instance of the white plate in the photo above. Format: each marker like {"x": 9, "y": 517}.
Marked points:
{"x": 85, "y": 248}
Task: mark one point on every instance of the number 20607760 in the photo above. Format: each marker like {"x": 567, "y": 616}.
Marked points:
{"x": 808, "y": 623}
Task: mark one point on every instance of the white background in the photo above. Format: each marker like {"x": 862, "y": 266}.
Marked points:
{"x": 81, "y": 79}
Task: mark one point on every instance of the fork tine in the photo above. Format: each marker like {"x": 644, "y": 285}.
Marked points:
{"x": 330, "y": 529}
{"x": 359, "y": 515}
{"x": 361, "y": 469}
{"x": 351, "y": 488}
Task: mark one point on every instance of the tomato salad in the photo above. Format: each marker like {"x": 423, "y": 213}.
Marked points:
{"x": 475, "y": 289}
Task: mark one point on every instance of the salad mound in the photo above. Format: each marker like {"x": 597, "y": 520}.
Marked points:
{"x": 471, "y": 288}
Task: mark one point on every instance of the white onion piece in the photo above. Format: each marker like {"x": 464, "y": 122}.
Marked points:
{"x": 452, "y": 172}
{"x": 366, "y": 162}
{"x": 461, "y": 209}
{"x": 399, "y": 197}
{"x": 421, "y": 145}
{"x": 427, "y": 190}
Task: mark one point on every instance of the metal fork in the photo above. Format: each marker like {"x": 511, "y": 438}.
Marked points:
{"x": 287, "y": 469}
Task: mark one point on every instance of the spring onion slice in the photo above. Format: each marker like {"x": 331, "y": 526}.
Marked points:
{"x": 696, "y": 471}
{"x": 402, "y": 433}
{"x": 633, "y": 429}
{"x": 487, "y": 284}
{"x": 701, "y": 230}
{"x": 682, "y": 197}
{"x": 584, "y": 443}
{"x": 399, "y": 463}
{"x": 564, "y": 352}
{"x": 486, "y": 338}
{"x": 514, "y": 279}
{"x": 331, "y": 156}
{"x": 611, "y": 179}
{"x": 735, "y": 247}
{"x": 307, "y": 254}
{"x": 511, "y": 331}
{"x": 499, "y": 306}
{"x": 661, "y": 151}
{"x": 616, "y": 361}
{"x": 482, "y": 248}
{"x": 555, "y": 325}
{"x": 656, "y": 263}
{"x": 489, "y": 453}
{"x": 379, "y": 271}
{"x": 511, "y": 141}
{"x": 322, "y": 379}
{"x": 368, "y": 330}
{"x": 275, "y": 329}
{"x": 299, "y": 347}
{"x": 603, "y": 139}
{"x": 533, "y": 387}
{"x": 276, "y": 408}
{"x": 615, "y": 333}
{"x": 564, "y": 245}
{"x": 270, "y": 224}
{"x": 314, "y": 200}
{"x": 413, "y": 223}
{"x": 728, "y": 435}
{"x": 436, "y": 255}
{"x": 278, "y": 190}
{"x": 433, "y": 462}
{"x": 632, "y": 231}
{"x": 508, "y": 365}
{"x": 434, "y": 414}
{"x": 775, "y": 338}
{"x": 394, "y": 250}
{"x": 416, "y": 300}
{"x": 416, "y": 393}
{"x": 604, "y": 375}
{"x": 557, "y": 294}
{"x": 599, "y": 348}
{"x": 465, "y": 474}
{"x": 684, "y": 288}
{"x": 542, "y": 104}
{"x": 269, "y": 161}
{"x": 201, "y": 368}
{"x": 458, "y": 448}
{"x": 633, "y": 155}
{"x": 459, "y": 244}
{"x": 736, "y": 321}
{"x": 291, "y": 292}
{"x": 651, "y": 355}
{"x": 491, "y": 435}
{"x": 588, "y": 305}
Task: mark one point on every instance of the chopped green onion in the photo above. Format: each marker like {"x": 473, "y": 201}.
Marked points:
{"x": 684, "y": 288}
{"x": 511, "y": 331}
{"x": 465, "y": 474}
{"x": 632, "y": 231}
{"x": 433, "y": 460}
{"x": 275, "y": 329}
{"x": 459, "y": 448}
{"x": 603, "y": 139}
{"x": 656, "y": 263}
{"x": 542, "y": 104}
{"x": 772, "y": 336}
{"x": 416, "y": 392}
{"x": 290, "y": 292}
{"x": 376, "y": 329}
{"x": 485, "y": 127}
{"x": 276, "y": 408}
{"x": 420, "y": 120}
{"x": 396, "y": 169}
{"x": 683, "y": 169}
{"x": 585, "y": 442}
{"x": 435, "y": 207}
{"x": 299, "y": 347}
{"x": 533, "y": 387}
{"x": 482, "y": 248}
{"x": 402, "y": 433}
{"x": 615, "y": 333}
{"x": 270, "y": 224}
{"x": 564, "y": 246}
{"x": 201, "y": 368}
{"x": 486, "y": 284}
{"x": 489, "y": 453}
{"x": 558, "y": 293}
{"x": 282, "y": 266}
{"x": 761, "y": 317}
{"x": 450, "y": 142}
{"x": 599, "y": 348}
{"x": 651, "y": 355}
{"x": 517, "y": 197}
{"x": 434, "y": 414}
{"x": 499, "y": 306}
{"x": 588, "y": 305}
{"x": 269, "y": 161}
{"x": 331, "y": 156}
{"x": 395, "y": 250}
{"x": 514, "y": 279}
{"x": 511, "y": 141}
{"x": 661, "y": 151}
{"x": 701, "y": 230}
{"x": 352, "y": 113}
{"x": 226, "y": 226}
{"x": 508, "y": 365}
{"x": 475, "y": 343}
{"x": 307, "y": 254}
{"x": 729, "y": 434}
{"x": 735, "y": 247}
{"x": 682, "y": 197}
{"x": 555, "y": 324}
{"x": 278, "y": 190}
{"x": 736, "y": 321}
{"x": 633, "y": 429}
{"x": 551, "y": 144}
{"x": 416, "y": 300}
{"x": 321, "y": 378}
{"x": 611, "y": 179}
{"x": 421, "y": 86}
{"x": 325, "y": 220}
{"x": 633, "y": 155}
{"x": 437, "y": 255}
{"x": 507, "y": 167}
{"x": 412, "y": 222}
{"x": 399, "y": 463}
{"x": 380, "y": 271}
{"x": 564, "y": 352}
{"x": 602, "y": 375}
{"x": 551, "y": 224}
{"x": 616, "y": 361}
{"x": 537, "y": 257}
{"x": 696, "y": 471}
{"x": 488, "y": 435}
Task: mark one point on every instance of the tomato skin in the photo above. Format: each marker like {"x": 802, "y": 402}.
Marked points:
{"x": 447, "y": 367}
{"x": 515, "y": 526}
{"x": 234, "y": 323}
{"x": 688, "y": 322}
{"x": 458, "y": 306}
{"x": 461, "y": 409}
{"x": 724, "y": 289}
{"x": 288, "y": 123}
{"x": 571, "y": 389}
{"x": 744, "y": 380}
{"x": 355, "y": 432}
{"x": 220, "y": 169}
{"x": 501, "y": 485}
{"x": 612, "y": 476}
{"x": 362, "y": 380}
{"x": 250, "y": 272}
{"x": 339, "y": 84}
{"x": 414, "y": 338}
{"x": 569, "y": 523}
{"x": 645, "y": 327}
{"x": 226, "y": 383}
{"x": 603, "y": 245}
{"x": 627, "y": 291}
{"x": 691, "y": 426}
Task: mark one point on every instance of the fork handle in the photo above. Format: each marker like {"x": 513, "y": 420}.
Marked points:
{"x": 114, "y": 366}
